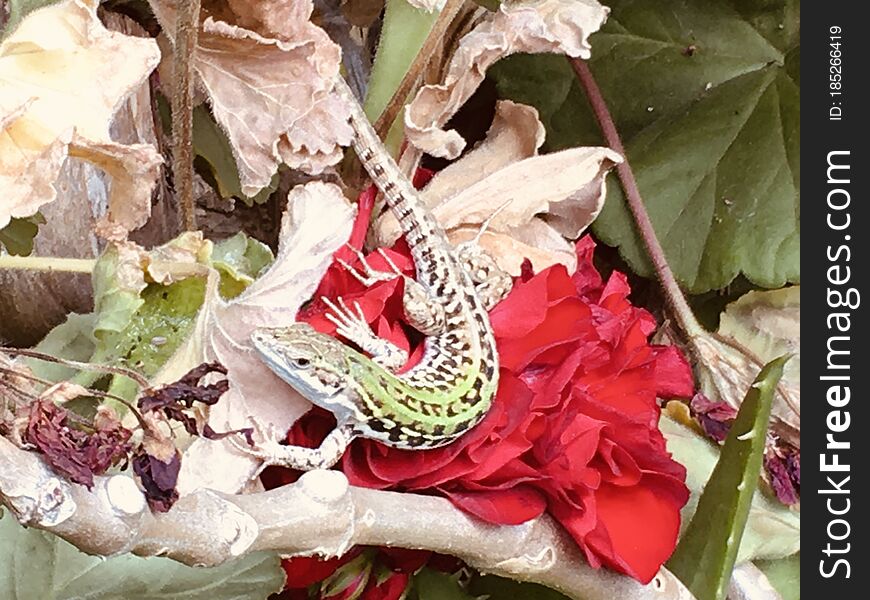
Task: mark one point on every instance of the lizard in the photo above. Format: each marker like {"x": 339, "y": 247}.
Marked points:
{"x": 452, "y": 387}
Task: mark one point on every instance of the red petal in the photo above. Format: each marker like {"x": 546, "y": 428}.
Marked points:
{"x": 505, "y": 507}
{"x": 637, "y": 528}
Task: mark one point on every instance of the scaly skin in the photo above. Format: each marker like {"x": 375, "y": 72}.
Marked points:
{"x": 448, "y": 391}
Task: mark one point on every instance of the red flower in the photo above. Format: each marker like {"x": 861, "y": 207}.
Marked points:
{"x": 573, "y": 429}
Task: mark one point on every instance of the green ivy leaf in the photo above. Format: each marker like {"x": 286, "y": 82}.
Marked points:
{"x": 784, "y": 575}
{"x": 214, "y": 154}
{"x": 141, "y": 328}
{"x": 72, "y": 340}
{"x": 212, "y": 145}
{"x": 240, "y": 260}
{"x": 708, "y": 549}
{"x": 35, "y": 564}
{"x": 17, "y": 236}
{"x": 705, "y": 97}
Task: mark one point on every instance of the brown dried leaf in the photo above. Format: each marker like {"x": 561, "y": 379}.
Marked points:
{"x": 268, "y": 76}
{"x": 178, "y": 259}
{"x": 75, "y": 453}
{"x": 62, "y": 75}
{"x": 541, "y": 199}
{"x": 531, "y": 26}
{"x": 317, "y": 222}
{"x": 64, "y": 391}
{"x": 158, "y": 477}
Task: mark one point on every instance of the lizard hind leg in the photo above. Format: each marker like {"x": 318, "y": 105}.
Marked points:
{"x": 491, "y": 282}
{"x": 273, "y": 453}
{"x": 421, "y": 311}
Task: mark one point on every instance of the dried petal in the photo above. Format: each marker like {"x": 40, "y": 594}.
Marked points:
{"x": 715, "y": 417}
{"x": 159, "y": 479}
{"x": 173, "y": 399}
{"x": 74, "y": 453}
{"x": 269, "y": 77}
{"x": 62, "y": 71}
{"x": 317, "y": 222}
{"x": 531, "y": 26}
{"x": 782, "y": 466}
{"x": 505, "y": 174}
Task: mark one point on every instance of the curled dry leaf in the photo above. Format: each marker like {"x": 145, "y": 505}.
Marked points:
{"x": 269, "y": 76}
{"x": 767, "y": 325}
{"x": 530, "y": 26}
{"x": 75, "y": 453}
{"x": 317, "y": 222}
{"x": 541, "y": 199}
{"x": 62, "y": 75}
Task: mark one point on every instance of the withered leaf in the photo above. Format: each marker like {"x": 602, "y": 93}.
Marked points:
{"x": 75, "y": 453}
{"x": 62, "y": 75}
{"x": 531, "y": 26}
{"x": 158, "y": 478}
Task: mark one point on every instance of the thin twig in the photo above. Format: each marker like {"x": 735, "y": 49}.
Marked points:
{"x": 677, "y": 301}
{"x": 143, "y": 383}
{"x": 91, "y": 391}
{"x": 412, "y": 75}
{"x": 186, "y": 35}
{"x": 47, "y": 263}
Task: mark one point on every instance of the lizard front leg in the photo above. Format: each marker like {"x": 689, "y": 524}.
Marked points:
{"x": 421, "y": 312}
{"x": 354, "y": 327}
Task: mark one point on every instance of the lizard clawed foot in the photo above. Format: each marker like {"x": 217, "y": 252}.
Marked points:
{"x": 353, "y": 326}
{"x": 349, "y": 324}
{"x": 369, "y": 275}
{"x": 270, "y": 450}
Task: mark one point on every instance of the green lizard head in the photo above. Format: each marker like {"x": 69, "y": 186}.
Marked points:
{"x": 315, "y": 364}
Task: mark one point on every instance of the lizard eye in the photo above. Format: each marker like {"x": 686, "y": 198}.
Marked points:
{"x": 302, "y": 363}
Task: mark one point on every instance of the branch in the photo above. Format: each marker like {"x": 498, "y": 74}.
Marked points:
{"x": 186, "y": 35}
{"x": 724, "y": 364}
{"x": 320, "y": 514}
{"x": 677, "y": 301}
{"x": 435, "y": 37}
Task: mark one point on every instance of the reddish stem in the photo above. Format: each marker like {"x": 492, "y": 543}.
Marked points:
{"x": 674, "y": 295}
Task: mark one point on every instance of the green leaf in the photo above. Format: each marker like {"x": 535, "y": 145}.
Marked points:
{"x": 72, "y": 340}
{"x": 502, "y": 588}
{"x": 784, "y": 575}
{"x": 708, "y": 549}
{"x": 705, "y": 99}
{"x": 35, "y": 564}
{"x": 429, "y": 584}
{"x": 240, "y": 260}
{"x": 160, "y": 325}
{"x": 772, "y": 531}
{"x": 17, "y": 236}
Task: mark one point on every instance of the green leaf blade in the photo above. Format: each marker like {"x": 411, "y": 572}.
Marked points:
{"x": 36, "y": 564}
{"x": 705, "y": 99}
{"x": 706, "y": 554}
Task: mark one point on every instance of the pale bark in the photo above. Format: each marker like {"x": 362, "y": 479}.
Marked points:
{"x": 320, "y": 514}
